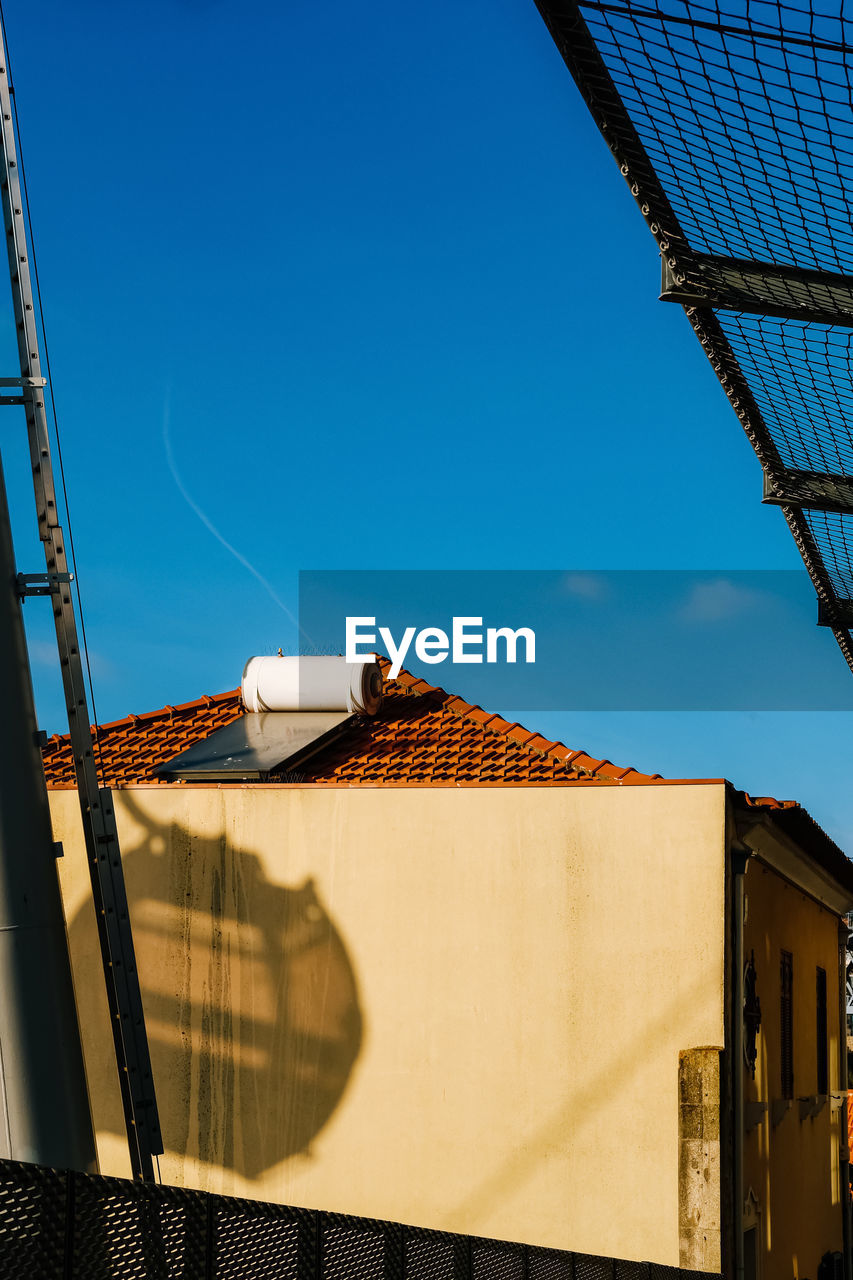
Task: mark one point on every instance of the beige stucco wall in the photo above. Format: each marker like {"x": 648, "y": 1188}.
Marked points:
{"x": 457, "y": 1007}
{"x": 794, "y": 1162}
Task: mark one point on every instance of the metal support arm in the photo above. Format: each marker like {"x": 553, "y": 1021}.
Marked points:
{"x": 811, "y": 490}
{"x": 759, "y": 288}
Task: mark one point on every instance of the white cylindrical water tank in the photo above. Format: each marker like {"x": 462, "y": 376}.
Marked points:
{"x": 311, "y": 684}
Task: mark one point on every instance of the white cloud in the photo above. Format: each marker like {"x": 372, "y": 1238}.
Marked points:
{"x": 586, "y": 586}
{"x": 717, "y": 601}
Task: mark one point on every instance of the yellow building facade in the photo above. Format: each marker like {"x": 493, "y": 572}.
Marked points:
{"x": 509, "y": 1010}
{"x": 795, "y": 1118}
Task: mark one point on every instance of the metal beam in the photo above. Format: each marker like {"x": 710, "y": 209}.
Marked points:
{"x": 581, "y": 55}
{"x": 759, "y": 288}
{"x": 835, "y": 614}
{"x": 810, "y": 490}
{"x": 124, "y": 997}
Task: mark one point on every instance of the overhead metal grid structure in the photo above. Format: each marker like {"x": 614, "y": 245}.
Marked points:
{"x": 733, "y": 125}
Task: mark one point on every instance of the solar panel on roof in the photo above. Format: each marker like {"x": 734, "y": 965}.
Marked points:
{"x": 256, "y": 745}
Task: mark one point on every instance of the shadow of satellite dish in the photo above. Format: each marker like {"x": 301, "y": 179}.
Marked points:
{"x": 251, "y": 1002}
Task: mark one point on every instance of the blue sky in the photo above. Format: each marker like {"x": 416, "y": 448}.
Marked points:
{"x": 369, "y": 275}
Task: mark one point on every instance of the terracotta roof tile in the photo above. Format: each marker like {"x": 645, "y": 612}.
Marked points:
{"x": 791, "y": 818}
{"x": 422, "y": 734}
{"x": 128, "y": 750}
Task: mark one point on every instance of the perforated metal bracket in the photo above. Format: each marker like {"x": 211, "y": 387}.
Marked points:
{"x": 41, "y": 584}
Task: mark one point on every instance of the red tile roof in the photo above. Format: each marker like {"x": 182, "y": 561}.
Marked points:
{"x": 129, "y": 750}
{"x": 797, "y": 823}
{"x": 421, "y": 735}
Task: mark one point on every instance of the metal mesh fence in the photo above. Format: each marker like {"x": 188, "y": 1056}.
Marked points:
{"x": 744, "y": 111}
{"x": 631, "y": 1271}
{"x": 551, "y": 1264}
{"x": 591, "y": 1267}
{"x": 264, "y": 1241}
{"x": 494, "y": 1260}
{"x": 70, "y": 1226}
{"x": 33, "y": 1215}
{"x": 352, "y": 1247}
{"x": 732, "y": 121}
{"x": 429, "y": 1255}
{"x": 121, "y": 1228}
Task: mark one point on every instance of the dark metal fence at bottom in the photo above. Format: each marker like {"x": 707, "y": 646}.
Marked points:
{"x": 70, "y": 1226}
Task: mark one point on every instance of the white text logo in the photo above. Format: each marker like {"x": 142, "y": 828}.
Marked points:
{"x": 467, "y": 642}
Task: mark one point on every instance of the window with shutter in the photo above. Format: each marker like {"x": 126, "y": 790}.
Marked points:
{"x": 822, "y": 1048}
{"x": 787, "y": 1011}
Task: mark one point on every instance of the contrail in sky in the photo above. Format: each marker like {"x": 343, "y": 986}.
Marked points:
{"x": 208, "y": 523}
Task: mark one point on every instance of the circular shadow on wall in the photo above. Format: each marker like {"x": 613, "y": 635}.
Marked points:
{"x": 251, "y": 1002}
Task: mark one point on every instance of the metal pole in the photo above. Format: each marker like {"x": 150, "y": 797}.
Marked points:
{"x": 44, "y": 1103}
{"x": 738, "y": 863}
{"x": 124, "y": 998}
{"x": 843, "y": 1141}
